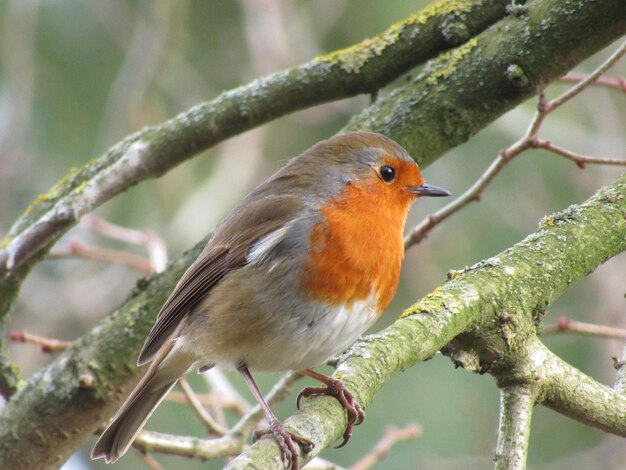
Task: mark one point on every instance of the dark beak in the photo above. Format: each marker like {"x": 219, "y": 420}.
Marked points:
{"x": 428, "y": 190}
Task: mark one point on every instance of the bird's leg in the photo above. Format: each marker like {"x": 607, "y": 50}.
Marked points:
{"x": 335, "y": 388}
{"x": 286, "y": 440}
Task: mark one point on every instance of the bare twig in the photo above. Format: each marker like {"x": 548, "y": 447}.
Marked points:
{"x": 154, "y": 244}
{"x": 617, "y": 83}
{"x": 576, "y": 89}
{"x": 224, "y": 391}
{"x": 150, "y": 461}
{"x": 319, "y": 463}
{"x": 47, "y": 345}
{"x": 529, "y": 140}
{"x": 391, "y": 437}
{"x": 77, "y": 248}
{"x": 212, "y": 426}
{"x": 516, "y": 407}
{"x": 186, "y": 446}
{"x": 206, "y": 399}
{"x": 564, "y": 324}
{"x": 579, "y": 159}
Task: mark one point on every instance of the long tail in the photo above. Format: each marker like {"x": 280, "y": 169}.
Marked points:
{"x": 163, "y": 374}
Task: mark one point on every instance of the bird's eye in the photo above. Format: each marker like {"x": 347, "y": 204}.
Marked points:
{"x": 387, "y": 173}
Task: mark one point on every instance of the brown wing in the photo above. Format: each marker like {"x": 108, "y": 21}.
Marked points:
{"x": 226, "y": 251}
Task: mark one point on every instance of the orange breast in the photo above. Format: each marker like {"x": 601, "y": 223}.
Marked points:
{"x": 357, "y": 250}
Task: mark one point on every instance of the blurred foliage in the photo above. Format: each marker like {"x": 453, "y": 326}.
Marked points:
{"x": 77, "y": 76}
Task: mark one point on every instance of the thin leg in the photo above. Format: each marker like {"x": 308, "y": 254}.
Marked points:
{"x": 335, "y": 388}
{"x": 286, "y": 440}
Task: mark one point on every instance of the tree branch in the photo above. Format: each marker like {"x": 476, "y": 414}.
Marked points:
{"x": 516, "y": 409}
{"x": 570, "y": 392}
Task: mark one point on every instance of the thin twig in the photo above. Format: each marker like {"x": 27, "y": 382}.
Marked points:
{"x": 529, "y": 140}
{"x": 391, "y": 437}
{"x": 47, "y": 345}
{"x": 150, "y": 461}
{"x": 617, "y": 83}
{"x": 155, "y": 245}
{"x": 212, "y": 426}
{"x": 80, "y": 249}
{"x": 579, "y": 159}
{"x": 223, "y": 390}
{"x": 576, "y": 89}
{"x": 564, "y": 324}
{"x": 206, "y": 399}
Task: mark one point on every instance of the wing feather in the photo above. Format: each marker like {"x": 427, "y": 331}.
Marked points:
{"x": 225, "y": 252}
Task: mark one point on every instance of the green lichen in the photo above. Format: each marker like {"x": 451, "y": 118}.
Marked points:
{"x": 430, "y": 303}
{"x": 40, "y": 199}
{"x": 353, "y": 58}
{"x": 446, "y": 64}
{"x": 5, "y": 242}
{"x": 59, "y": 187}
{"x": 58, "y": 190}
{"x": 440, "y": 8}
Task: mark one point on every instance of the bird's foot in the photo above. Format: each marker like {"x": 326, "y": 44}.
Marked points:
{"x": 336, "y": 388}
{"x": 287, "y": 441}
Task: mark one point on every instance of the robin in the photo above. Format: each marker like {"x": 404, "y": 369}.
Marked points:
{"x": 297, "y": 271}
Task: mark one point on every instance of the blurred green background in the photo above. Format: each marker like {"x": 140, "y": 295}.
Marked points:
{"x": 77, "y": 76}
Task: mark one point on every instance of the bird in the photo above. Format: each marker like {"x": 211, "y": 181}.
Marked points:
{"x": 297, "y": 271}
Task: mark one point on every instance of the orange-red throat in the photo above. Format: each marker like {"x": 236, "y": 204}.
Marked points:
{"x": 357, "y": 249}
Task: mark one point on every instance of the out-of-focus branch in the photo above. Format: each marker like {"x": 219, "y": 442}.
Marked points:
{"x": 191, "y": 447}
{"x": 617, "y": 83}
{"x": 391, "y": 437}
{"x": 77, "y": 248}
{"x": 585, "y": 82}
{"x": 210, "y": 424}
{"x": 154, "y": 244}
{"x": 47, "y": 345}
{"x": 567, "y": 325}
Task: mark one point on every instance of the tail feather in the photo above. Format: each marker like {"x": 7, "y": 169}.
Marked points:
{"x": 133, "y": 414}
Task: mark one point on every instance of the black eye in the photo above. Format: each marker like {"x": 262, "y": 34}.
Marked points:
{"x": 387, "y": 173}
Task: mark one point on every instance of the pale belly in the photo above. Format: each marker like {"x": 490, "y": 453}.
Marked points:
{"x": 307, "y": 337}
{"x": 333, "y": 330}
